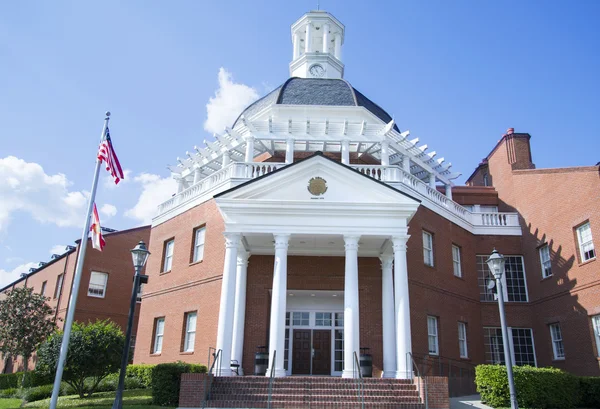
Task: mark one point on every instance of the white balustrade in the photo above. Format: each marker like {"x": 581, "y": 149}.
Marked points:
{"x": 253, "y": 170}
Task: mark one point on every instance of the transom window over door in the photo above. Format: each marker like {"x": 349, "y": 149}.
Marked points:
{"x": 586, "y": 243}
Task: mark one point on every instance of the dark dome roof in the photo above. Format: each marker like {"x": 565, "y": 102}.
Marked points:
{"x": 312, "y": 91}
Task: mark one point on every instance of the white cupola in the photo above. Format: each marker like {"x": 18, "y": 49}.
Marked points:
{"x": 317, "y": 39}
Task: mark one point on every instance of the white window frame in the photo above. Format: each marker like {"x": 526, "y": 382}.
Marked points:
{"x": 104, "y": 285}
{"x": 159, "y": 332}
{"x": 190, "y": 333}
{"x": 432, "y": 335}
{"x": 168, "y": 262}
{"x": 428, "y": 248}
{"x": 199, "y": 233}
{"x": 557, "y": 340}
{"x": 582, "y": 244}
{"x": 462, "y": 340}
{"x": 596, "y": 327}
{"x": 456, "y": 261}
{"x": 59, "y": 284}
{"x": 545, "y": 261}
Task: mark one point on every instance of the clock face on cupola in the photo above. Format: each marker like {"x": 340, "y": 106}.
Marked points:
{"x": 317, "y": 40}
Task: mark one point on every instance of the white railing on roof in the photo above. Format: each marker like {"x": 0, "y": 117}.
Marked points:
{"x": 391, "y": 174}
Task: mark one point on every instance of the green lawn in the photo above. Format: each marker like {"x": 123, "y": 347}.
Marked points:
{"x": 10, "y": 403}
{"x": 132, "y": 399}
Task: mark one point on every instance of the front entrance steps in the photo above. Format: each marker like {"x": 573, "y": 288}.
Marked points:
{"x": 314, "y": 392}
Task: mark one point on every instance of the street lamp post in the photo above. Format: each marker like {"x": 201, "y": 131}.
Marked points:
{"x": 140, "y": 255}
{"x": 496, "y": 265}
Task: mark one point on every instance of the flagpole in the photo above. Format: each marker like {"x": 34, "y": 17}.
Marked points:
{"x": 64, "y": 348}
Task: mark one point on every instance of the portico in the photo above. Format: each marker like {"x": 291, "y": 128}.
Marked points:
{"x": 317, "y": 207}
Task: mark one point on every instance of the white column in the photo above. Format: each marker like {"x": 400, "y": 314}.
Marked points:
{"x": 449, "y": 191}
{"x": 239, "y": 314}
{"x": 197, "y": 175}
{"x": 226, "y": 159}
{"x": 308, "y": 38}
{"x": 296, "y": 46}
{"x": 403, "y": 336}
{"x": 278, "y": 302}
{"x": 325, "y": 29}
{"x": 289, "y": 150}
{"x": 385, "y": 153}
{"x": 225, "y": 326}
{"x": 406, "y": 163}
{"x": 389, "y": 325}
{"x": 432, "y": 180}
{"x": 249, "y": 148}
{"x": 351, "y": 313}
{"x": 346, "y": 152}
{"x": 338, "y": 46}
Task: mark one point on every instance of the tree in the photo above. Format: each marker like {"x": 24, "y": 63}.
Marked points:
{"x": 94, "y": 352}
{"x": 25, "y": 322}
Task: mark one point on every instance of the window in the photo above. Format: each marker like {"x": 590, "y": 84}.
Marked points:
{"x": 97, "y": 286}
{"x": 522, "y": 346}
{"x": 59, "y": 283}
{"x": 168, "y": 263}
{"x": 557, "y": 342}
{"x": 596, "y": 325}
{"x": 586, "y": 245}
{"x": 339, "y": 319}
{"x": 513, "y": 280}
{"x": 300, "y": 318}
{"x": 427, "y": 248}
{"x": 456, "y": 261}
{"x": 159, "y": 329}
{"x": 462, "y": 340}
{"x": 486, "y": 181}
{"x": 338, "y": 359}
{"x": 43, "y": 290}
{"x": 545, "y": 261}
{"x": 199, "y": 235}
{"x": 323, "y": 319}
{"x": 432, "y": 332}
{"x": 190, "y": 332}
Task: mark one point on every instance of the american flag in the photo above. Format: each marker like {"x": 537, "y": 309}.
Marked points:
{"x": 107, "y": 154}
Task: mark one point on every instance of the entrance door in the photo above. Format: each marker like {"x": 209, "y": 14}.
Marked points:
{"x": 321, "y": 362}
{"x": 302, "y": 352}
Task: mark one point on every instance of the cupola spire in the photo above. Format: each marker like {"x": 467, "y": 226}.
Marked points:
{"x": 317, "y": 39}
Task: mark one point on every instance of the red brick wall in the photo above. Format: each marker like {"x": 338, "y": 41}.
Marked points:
{"x": 437, "y": 391}
{"x": 191, "y": 392}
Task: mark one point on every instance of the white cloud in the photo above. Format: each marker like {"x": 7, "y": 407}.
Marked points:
{"x": 108, "y": 210}
{"x": 58, "y": 249}
{"x": 25, "y": 187}
{"x": 7, "y": 277}
{"x": 229, "y": 101}
{"x": 155, "y": 190}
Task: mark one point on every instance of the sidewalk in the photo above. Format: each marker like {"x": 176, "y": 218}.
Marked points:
{"x": 468, "y": 402}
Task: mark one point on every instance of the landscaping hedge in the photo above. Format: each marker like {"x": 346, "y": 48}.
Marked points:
{"x": 142, "y": 372}
{"x": 13, "y": 380}
{"x": 590, "y": 391}
{"x": 166, "y": 379}
{"x": 539, "y": 388}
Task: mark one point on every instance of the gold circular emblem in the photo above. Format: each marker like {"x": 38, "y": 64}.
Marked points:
{"x": 317, "y": 186}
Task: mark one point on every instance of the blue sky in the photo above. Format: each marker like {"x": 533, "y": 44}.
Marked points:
{"x": 457, "y": 74}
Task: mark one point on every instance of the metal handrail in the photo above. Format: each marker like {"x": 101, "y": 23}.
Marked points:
{"x": 210, "y": 377}
{"x": 271, "y": 380}
{"x": 410, "y": 364}
{"x": 361, "y": 387}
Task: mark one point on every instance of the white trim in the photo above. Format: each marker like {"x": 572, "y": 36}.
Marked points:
{"x": 168, "y": 258}
{"x": 428, "y": 249}
{"x": 456, "y": 264}
{"x": 581, "y": 244}
{"x": 463, "y": 326}
{"x": 156, "y": 348}
{"x": 199, "y": 247}
{"x": 434, "y": 334}
{"x": 189, "y": 331}
{"x": 555, "y": 331}
{"x": 104, "y": 284}
{"x": 543, "y": 251}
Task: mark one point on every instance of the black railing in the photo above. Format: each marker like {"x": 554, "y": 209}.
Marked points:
{"x": 360, "y": 390}
{"x": 271, "y": 380}
{"x": 410, "y": 364}
{"x": 460, "y": 373}
{"x": 214, "y": 368}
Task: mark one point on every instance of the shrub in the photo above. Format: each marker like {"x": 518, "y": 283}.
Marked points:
{"x": 536, "y": 387}
{"x": 9, "y": 380}
{"x": 590, "y": 392}
{"x": 37, "y": 393}
{"x": 166, "y": 379}
{"x": 32, "y": 378}
{"x": 8, "y": 393}
{"x": 141, "y": 372}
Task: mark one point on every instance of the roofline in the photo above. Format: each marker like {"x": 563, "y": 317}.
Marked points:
{"x": 147, "y": 226}
{"x": 503, "y": 139}
{"x": 48, "y": 264}
{"x": 317, "y": 153}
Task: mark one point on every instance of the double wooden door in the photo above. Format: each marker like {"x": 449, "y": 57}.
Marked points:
{"x": 311, "y": 352}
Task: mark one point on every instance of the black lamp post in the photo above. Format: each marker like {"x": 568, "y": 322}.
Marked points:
{"x": 496, "y": 264}
{"x": 140, "y": 255}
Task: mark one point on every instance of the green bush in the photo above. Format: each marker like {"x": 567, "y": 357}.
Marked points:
{"x": 9, "y": 380}
{"x": 38, "y": 393}
{"x": 590, "y": 392}
{"x": 539, "y": 388}
{"x": 32, "y": 378}
{"x": 8, "y": 393}
{"x": 141, "y": 372}
{"x": 166, "y": 379}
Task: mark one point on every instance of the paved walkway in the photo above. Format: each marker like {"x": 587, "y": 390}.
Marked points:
{"x": 468, "y": 402}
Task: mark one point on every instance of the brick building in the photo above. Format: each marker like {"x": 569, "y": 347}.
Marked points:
{"x": 106, "y": 281}
{"x": 315, "y": 227}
